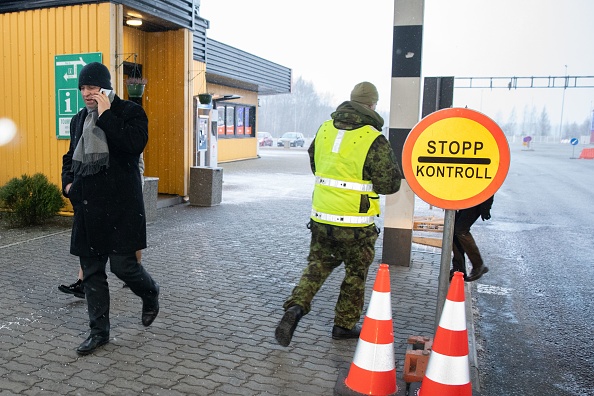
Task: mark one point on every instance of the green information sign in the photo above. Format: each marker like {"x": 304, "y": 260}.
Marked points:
{"x": 68, "y": 98}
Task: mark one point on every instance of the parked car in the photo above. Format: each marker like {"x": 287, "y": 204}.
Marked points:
{"x": 293, "y": 138}
{"x": 264, "y": 139}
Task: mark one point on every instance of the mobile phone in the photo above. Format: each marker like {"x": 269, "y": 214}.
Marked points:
{"x": 105, "y": 91}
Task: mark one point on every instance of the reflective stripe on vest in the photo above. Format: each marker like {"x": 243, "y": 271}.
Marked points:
{"x": 326, "y": 181}
{"x": 342, "y": 219}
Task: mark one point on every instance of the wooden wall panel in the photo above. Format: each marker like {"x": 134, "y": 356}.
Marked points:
{"x": 30, "y": 40}
{"x": 134, "y": 43}
{"x": 167, "y": 65}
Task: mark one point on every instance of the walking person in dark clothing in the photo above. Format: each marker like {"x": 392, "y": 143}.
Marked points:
{"x": 353, "y": 163}
{"x": 100, "y": 176}
{"x": 464, "y": 242}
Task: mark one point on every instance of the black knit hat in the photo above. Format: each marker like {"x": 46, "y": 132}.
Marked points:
{"x": 95, "y": 74}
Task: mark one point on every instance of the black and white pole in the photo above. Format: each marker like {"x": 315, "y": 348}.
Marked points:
{"x": 405, "y": 107}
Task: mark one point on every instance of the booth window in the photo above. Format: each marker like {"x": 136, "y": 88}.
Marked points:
{"x": 229, "y": 120}
{"x": 239, "y": 121}
{"x": 221, "y": 121}
{"x": 236, "y": 121}
{"x": 248, "y": 125}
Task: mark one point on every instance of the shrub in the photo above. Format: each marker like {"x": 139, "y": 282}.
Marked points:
{"x": 31, "y": 199}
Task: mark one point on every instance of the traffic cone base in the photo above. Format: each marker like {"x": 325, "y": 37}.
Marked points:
{"x": 381, "y": 382}
{"x": 465, "y": 389}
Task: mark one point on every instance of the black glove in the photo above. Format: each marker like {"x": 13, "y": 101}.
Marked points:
{"x": 485, "y": 214}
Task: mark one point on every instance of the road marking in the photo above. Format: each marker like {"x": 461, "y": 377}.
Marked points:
{"x": 33, "y": 239}
{"x": 497, "y": 290}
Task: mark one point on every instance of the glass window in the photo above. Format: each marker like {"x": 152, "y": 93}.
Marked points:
{"x": 236, "y": 121}
{"x": 221, "y": 123}
{"x": 230, "y": 120}
{"x": 247, "y": 123}
{"x": 239, "y": 120}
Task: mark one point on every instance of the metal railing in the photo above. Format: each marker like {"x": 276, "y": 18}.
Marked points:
{"x": 525, "y": 82}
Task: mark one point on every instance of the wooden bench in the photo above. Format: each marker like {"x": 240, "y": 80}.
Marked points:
{"x": 428, "y": 224}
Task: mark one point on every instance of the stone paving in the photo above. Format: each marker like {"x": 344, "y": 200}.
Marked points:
{"x": 224, "y": 273}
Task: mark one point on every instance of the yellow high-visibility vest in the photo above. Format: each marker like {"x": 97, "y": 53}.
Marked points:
{"x": 339, "y": 157}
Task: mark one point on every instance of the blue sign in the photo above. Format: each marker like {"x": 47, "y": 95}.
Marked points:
{"x": 574, "y": 141}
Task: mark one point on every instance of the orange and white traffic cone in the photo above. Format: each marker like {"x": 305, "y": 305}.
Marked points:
{"x": 373, "y": 371}
{"x": 448, "y": 371}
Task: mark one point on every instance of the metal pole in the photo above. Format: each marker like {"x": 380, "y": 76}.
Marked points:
{"x": 446, "y": 259}
{"x": 563, "y": 105}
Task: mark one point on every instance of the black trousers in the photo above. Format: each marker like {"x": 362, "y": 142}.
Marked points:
{"x": 125, "y": 267}
{"x": 463, "y": 241}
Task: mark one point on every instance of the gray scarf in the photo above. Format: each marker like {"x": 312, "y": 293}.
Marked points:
{"x": 91, "y": 153}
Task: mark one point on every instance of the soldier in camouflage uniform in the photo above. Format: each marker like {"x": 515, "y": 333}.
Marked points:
{"x": 353, "y": 163}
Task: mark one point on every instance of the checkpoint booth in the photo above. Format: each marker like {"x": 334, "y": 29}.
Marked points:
{"x": 166, "y": 41}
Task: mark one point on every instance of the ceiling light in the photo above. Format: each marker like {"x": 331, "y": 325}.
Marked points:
{"x": 134, "y": 22}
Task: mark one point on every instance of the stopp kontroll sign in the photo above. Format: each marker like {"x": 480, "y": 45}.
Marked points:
{"x": 455, "y": 158}
{"x": 459, "y": 160}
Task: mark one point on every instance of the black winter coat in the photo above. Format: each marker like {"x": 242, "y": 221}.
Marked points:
{"x": 108, "y": 206}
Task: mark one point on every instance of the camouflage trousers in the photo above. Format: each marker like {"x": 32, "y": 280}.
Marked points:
{"x": 327, "y": 253}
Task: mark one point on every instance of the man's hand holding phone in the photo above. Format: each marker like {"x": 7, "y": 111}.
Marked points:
{"x": 102, "y": 99}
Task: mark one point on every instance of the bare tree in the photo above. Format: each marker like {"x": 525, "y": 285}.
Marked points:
{"x": 511, "y": 126}
{"x": 303, "y": 110}
{"x": 586, "y": 127}
{"x": 544, "y": 124}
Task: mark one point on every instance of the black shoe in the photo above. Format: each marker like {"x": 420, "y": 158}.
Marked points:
{"x": 452, "y": 274}
{"x": 75, "y": 288}
{"x": 90, "y": 344}
{"x": 286, "y": 327}
{"x": 341, "y": 333}
{"x": 150, "y": 309}
{"x": 477, "y": 273}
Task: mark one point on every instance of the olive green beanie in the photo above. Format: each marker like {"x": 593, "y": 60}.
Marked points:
{"x": 365, "y": 93}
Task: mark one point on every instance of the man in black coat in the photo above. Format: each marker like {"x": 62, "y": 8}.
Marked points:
{"x": 464, "y": 243}
{"x": 101, "y": 178}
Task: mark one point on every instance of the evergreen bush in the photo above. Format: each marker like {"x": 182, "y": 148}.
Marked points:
{"x": 31, "y": 200}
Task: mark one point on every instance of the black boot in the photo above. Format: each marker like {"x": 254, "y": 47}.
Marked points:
{"x": 476, "y": 273}
{"x": 75, "y": 288}
{"x": 342, "y": 333}
{"x": 93, "y": 342}
{"x": 286, "y": 327}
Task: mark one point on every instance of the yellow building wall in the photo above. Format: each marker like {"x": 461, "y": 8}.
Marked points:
{"x": 29, "y": 41}
{"x": 197, "y": 77}
{"x": 237, "y": 149}
{"x": 165, "y": 59}
{"x": 231, "y": 149}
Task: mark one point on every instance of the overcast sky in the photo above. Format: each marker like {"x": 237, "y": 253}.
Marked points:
{"x": 338, "y": 43}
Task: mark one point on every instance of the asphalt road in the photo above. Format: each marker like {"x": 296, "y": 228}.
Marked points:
{"x": 536, "y": 316}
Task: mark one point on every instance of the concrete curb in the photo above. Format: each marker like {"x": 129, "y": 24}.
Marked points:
{"x": 472, "y": 356}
